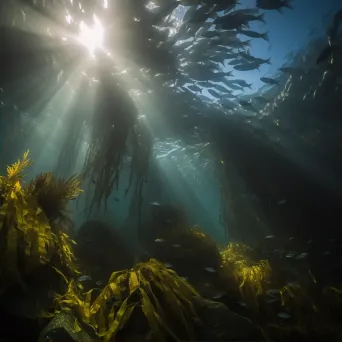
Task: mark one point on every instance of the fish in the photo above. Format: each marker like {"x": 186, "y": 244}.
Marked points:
{"x": 176, "y": 246}
{"x": 221, "y": 88}
{"x": 214, "y": 93}
{"x": 168, "y": 265}
{"x": 194, "y": 88}
{"x": 235, "y": 62}
{"x": 210, "y": 269}
{"x": 99, "y": 283}
{"x": 159, "y": 240}
{"x": 210, "y": 34}
{"x": 242, "y": 304}
{"x": 273, "y": 292}
{"x": 269, "y": 237}
{"x": 242, "y": 83}
{"x": 218, "y": 295}
{"x": 84, "y": 278}
{"x": 155, "y": 203}
{"x": 282, "y": 202}
{"x": 206, "y": 84}
{"x": 284, "y": 315}
{"x": 273, "y": 4}
{"x": 116, "y": 199}
{"x": 269, "y": 80}
{"x": 302, "y": 256}
{"x": 247, "y": 67}
{"x": 290, "y": 255}
{"x": 254, "y": 34}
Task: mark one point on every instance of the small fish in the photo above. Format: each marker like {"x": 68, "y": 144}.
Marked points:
{"x": 185, "y": 278}
{"x": 282, "y": 202}
{"x": 176, "y": 246}
{"x": 291, "y": 238}
{"x": 167, "y": 265}
{"x": 284, "y": 315}
{"x": 269, "y": 80}
{"x": 221, "y": 88}
{"x": 116, "y": 199}
{"x": 194, "y": 88}
{"x": 84, "y": 278}
{"x": 210, "y": 269}
{"x": 247, "y": 67}
{"x": 326, "y": 253}
{"x": 214, "y": 93}
{"x": 219, "y": 295}
{"x": 254, "y": 34}
{"x": 99, "y": 283}
{"x": 302, "y": 256}
{"x": 242, "y": 304}
{"x": 272, "y": 292}
{"x": 159, "y": 240}
{"x": 155, "y": 203}
{"x": 269, "y": 237}
{"x": 290, "y": 255}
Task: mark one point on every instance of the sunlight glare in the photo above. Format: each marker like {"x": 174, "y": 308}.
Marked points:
{"x": 91, "y": 36}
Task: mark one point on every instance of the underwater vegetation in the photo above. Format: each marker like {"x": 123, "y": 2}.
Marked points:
{"x": 161, "y": 298}
{"x": 149, "y": 287}
{"x": 33, "y": 222}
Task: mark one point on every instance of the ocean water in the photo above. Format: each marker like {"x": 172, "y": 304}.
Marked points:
{"x": 194, "y": 127}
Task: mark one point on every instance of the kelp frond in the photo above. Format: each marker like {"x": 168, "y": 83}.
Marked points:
{"x": 250, "y": 275}
{"x": 15, "y": 171}
{"x": 27, "y": 239}
{"x": 111, "y": 127}
{"x": 150, "y": 287}
{"x": 53, "y": 194}
{"x": 14, "y": 174}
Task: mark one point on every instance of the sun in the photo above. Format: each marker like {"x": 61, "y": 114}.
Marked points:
{"x": 91, "y": 36}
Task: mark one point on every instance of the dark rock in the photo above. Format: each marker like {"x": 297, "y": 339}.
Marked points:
{"x": 61, "y": 329}
{"x": 222, "y": 324}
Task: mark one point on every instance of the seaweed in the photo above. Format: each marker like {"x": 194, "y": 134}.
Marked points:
{"x": 252, "y": 277}
{"x": 149, "y": 287}
{"x": 29, "y": 237}
{"x": 111, "y": 129}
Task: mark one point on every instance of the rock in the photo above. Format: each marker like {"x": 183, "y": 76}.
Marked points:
{"x": 61, "y": 329}
{"x": 222, "y": 324}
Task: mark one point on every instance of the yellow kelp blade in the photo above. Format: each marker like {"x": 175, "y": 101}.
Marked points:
{"x": 149, "y": 312}
{"x": 102, "y": 322}
{"x": 61, "y": 274}
{"x": 121, "y": 319}
{"x": 133, "y": 282}
{"x": 77, "y": 328}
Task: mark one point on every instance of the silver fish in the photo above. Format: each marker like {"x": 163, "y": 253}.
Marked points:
{"x": 84, "y": 278}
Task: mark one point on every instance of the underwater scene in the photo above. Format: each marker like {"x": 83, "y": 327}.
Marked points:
{"x": 170, "y": 170}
